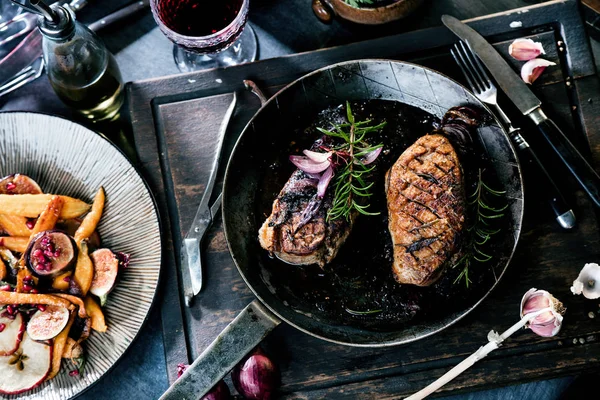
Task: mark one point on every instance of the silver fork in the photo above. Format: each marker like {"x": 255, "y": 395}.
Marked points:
{"x": 27, "y": 74}
{"x": 484, "y": 89}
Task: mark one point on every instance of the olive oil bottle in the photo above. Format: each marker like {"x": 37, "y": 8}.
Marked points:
{"x": 82, "y": 72}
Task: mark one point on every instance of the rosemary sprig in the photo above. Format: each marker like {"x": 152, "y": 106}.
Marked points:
{"x": 351, "y": 177}
{"x": 481, "y": 230}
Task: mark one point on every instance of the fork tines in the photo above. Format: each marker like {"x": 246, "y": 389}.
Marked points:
{"x": 471, "y": 67}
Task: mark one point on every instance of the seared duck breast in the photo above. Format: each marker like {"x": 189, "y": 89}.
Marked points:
{"x": 426, "y": 205}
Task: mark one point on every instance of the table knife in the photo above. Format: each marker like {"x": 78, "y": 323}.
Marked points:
{"x": 30, "y": 48}
{"x": 530, "y": 106}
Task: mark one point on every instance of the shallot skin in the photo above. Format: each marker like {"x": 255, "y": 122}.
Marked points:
{"x": 256, "y": 377}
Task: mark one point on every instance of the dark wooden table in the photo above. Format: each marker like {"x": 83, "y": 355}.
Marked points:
{"x": 321, "y": 369}
{"x": 175, "y": 122}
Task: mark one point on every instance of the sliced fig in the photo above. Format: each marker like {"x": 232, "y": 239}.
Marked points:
{"x": 11, "y": 334}
{"x": 27, "y": 368}
{"x": 70, "y": 226}
{"x": 19, "y": 184}
{"x": 106, "y": 269}
{"x": 47, "y": 324}
{"x": 51, "y": 253}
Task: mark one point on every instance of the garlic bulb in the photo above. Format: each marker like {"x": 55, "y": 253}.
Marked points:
{"x": 588, "y": 281}
{"x": 549, "y": 321}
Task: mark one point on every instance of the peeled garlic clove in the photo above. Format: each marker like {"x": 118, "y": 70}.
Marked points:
{"x": 525, "y": 49}
{"x": 588, "y": 281}
{"x": 532, "y": 69}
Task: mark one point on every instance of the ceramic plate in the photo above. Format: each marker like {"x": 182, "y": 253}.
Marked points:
{"x": 66, "y": 158}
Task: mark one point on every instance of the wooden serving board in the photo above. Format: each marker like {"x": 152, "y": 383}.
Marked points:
{"x": 175, "y": 120}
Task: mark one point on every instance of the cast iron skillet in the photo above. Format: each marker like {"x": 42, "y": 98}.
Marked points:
{"x": 268, "y": 132}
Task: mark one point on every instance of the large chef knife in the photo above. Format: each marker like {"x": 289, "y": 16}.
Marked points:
{"x": 529, "y": 105}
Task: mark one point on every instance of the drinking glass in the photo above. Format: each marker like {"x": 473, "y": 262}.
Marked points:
{"x": 206, "y": 33}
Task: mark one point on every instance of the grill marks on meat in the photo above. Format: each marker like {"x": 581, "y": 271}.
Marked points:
{"x": 426, "y": 207}
{"x": 316, "y": 242}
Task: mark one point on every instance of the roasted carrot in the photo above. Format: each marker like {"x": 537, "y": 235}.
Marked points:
{"x": 14, "y": 225}
{"x": 91, "y": 220}
{"x": 59, "y": 346}
{"x": 32, "y": 205}
{"x": 61, "y": 282}
{"x": 14, "y": 243}
{"x": 30, "y": 298}
{"x": 75, "y": 300}
{"x": 49, "y": 216}
{"x": 95, "y": 313}
{"x": 84, "y": 269}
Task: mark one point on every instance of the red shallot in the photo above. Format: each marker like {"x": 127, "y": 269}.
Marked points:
{"x": 256, "y": 377}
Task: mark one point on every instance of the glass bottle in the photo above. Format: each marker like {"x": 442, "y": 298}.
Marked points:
{"x": 82, "y": 72}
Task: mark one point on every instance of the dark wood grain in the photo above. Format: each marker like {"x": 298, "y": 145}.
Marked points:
{"x": 174, "y": 122}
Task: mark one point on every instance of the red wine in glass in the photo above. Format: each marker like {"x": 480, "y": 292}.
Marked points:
{"x": 215, "y": 21}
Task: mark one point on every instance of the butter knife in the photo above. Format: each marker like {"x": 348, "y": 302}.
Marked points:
{"x": 530, "y": 106}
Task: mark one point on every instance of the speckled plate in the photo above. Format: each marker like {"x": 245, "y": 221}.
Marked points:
{"x": 69, "y": 159}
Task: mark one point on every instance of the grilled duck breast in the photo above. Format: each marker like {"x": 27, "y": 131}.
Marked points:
{"x": 426, "y": 206}
{"x": 294, "y": 241}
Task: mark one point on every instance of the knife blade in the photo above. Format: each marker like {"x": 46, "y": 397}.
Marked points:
{"x": 530, "y": 106}
{"x": 30, "y": 48}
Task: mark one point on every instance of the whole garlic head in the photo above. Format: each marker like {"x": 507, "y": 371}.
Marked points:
{"x": 588, "y": 281}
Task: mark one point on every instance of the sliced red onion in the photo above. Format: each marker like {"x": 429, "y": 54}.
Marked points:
{"x": 317, "y": 157}
{"x": 371, "y": 156}
{"x": 313, "y": 176}
{"x": 308, "y": 165}
{"x": 309, "y": 212}
{"x": 324, "y": 182}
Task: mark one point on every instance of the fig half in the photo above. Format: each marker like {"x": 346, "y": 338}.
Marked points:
{"x": 51, "y": 253}
{"x": 47, "y": 324}
{"x": 106, "y": 269}
{"x": 27, "y": 368}
{"x": 11, "y": 334}
{"x": 19, "y": 184}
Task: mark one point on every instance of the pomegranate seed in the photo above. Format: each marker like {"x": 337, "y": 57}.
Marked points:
{"x": 27, "y": 288}
{"x": 30, "y": 224}
{"x": 6, "y": 288}
{"x": 2, "y": 326}
{"x": 28, "y": 278}
{"x": 11, "y": 310}
{"x": 67, "y": 279}
{"x": 74, "y": 373}
{"x": 181, "y": 367}
{"x": 37, "y": 253}
{"x": 41, "y": 307}
{"x": 33, "y": 291}
{"x": 10, "y": 186}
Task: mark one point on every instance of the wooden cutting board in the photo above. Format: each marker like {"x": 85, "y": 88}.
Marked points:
{"x": 175, "y": 120}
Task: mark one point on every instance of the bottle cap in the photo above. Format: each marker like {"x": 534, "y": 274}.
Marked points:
{"x": 61, "y": 29}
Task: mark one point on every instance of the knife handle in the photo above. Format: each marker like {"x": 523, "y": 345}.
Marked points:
{"x": 564, "y": 214}
{"x": 583, "y": 172}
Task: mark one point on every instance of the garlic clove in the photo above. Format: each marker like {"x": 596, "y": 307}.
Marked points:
{"x": 525, "y": 49}
{"x": 588, "y": 281}
{"x": 532, "y": 69}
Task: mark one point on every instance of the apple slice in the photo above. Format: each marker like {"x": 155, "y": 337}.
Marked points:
{"x": 26, "y": 368}
{"x": 47, "y": 324}
{"x": 11, "y": 334}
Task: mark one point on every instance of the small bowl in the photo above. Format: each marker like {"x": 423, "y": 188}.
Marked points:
{"x": 326, "y": 9}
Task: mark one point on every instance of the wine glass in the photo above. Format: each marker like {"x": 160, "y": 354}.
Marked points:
{"x": 206, "y": 34}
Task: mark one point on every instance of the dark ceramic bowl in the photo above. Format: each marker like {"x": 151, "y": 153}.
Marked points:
{"x": 325, "y": 9}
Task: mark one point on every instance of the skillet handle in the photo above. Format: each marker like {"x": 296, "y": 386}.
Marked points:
{"x": 243, "y": 334}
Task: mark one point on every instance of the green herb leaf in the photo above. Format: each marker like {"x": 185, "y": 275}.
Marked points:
{"x": 351, "y": 178}
{"x": 480, "y": 231}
